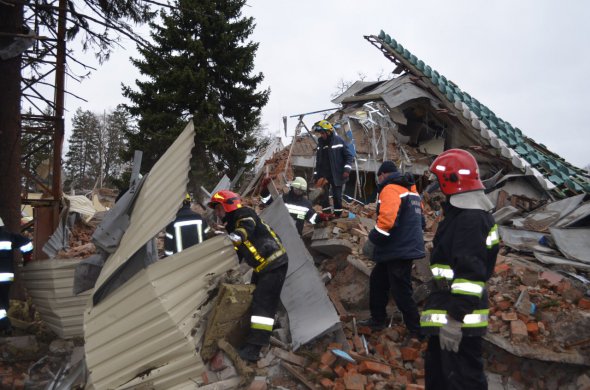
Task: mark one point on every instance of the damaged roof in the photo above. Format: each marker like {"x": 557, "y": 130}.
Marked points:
{"x": 551, "y": 170}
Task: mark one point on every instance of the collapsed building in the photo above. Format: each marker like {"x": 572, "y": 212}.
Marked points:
{"x": 150, "y": 322}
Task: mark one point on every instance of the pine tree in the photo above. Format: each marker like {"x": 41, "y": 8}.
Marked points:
{"x": 82, "y": 159}
{"x": 200, "y": 66}
{"x": 116, "y": 125}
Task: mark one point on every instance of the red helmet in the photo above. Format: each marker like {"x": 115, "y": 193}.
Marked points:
{"x": 229, "y": 200}
{"x": 457, "y": 172}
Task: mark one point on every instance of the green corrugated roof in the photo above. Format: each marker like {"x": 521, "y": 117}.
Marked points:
{"x": 567, "y": 178}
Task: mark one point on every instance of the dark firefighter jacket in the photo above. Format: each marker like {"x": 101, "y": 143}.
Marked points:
{"x": 333, "y": 157}
{"x": 398, "y": 232}
{"x": 463, "y": 258}
{"x": 188, "y": 229}
{"x": 10, "y": 242}
{"x": 299, "y": 207}
{"x": 261, "y": 248}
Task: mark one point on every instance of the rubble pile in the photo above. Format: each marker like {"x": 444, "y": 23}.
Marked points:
{"x": 80, "y": 244}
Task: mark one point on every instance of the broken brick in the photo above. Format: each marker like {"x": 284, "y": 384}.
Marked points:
{"x": 584, "y": 303}
{"x": 369, "y": 367}
{"x": 503, "y": 305}
{"x": 413, "y": 386}
{"x": 409, "y": 354}
{"x": 552, "y": 278}
{"x": 340, "y": 371}
{"x": 327, "y": 383}
{"x": 328, "y": 358}
{"x": 355, "y": 382}
{"x": 533, "y": 329}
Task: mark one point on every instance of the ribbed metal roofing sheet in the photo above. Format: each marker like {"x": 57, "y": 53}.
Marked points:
{"x": 50, "y": 283}
{"x": 141, "y": 333}
{"x": 157, "y": 203}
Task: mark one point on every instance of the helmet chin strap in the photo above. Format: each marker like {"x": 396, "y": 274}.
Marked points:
{"x": 474, "y": 200}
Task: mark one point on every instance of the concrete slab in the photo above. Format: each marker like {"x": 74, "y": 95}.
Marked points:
{"x": 332, "y": 247}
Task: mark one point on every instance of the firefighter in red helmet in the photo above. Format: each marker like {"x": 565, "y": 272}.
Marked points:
{"x": 261, "y": 248}
{"x": 466, "y": 244}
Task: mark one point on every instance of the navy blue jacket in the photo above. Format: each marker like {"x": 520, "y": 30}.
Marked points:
{"x": 339, "y": 159}
{"x": 398, "y": 232}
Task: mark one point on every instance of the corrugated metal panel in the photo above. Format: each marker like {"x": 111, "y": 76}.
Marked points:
{"x": 50, "y": 283}
{"x": 157, "y": 203}
{"x": 141, "y": 333}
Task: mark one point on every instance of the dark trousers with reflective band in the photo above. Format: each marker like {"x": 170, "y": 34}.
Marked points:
{"x": 265, "y": 300}
{"x": 393, "y": 276}
{"x": 5, "y": 303}
{"x": 336, "y": 198}
{"x": 447, "y": 370}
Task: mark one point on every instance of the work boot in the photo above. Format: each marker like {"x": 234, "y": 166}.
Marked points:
{"x": 250, "y": 352}
{"x": 373, "y": 324}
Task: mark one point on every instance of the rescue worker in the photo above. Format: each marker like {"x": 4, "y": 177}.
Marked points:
{"x": 188, "y": 229}
{"x": 333, "y": 163}
{"x": 10, "y": 242}
{"x": 462, "y": 260}
{"x": 260, "y": 247}
{"x": 299, "y": 207}
{"x": 394, "y": 242}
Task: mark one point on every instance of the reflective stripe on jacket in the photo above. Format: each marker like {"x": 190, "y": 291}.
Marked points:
{"x": 463, "y": 258}
{"x": 188, "y": 229}
{"x": 340, "y": 158}
{"x": 398, "y": 232}
{"x": 299, "y": 207}
{"x": 261, "y": 247}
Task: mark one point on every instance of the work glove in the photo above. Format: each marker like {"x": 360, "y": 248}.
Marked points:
{"x": 450, "y": 335}
{"x": 369, "y": 249}
{"x": 236, "y": 239}
{"x": 320, "y": 182}
{"x": 325, "y": 216}
{"x": 345, "y": 175}
{"x": 265, "y": 182}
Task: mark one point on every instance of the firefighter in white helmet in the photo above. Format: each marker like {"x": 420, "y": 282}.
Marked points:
{"x": 296, "y": 201}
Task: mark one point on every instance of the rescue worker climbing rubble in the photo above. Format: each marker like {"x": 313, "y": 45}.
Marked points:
{"x": 394, "y": 242}
{"x": 9, "y": 243}
{"x": 333, "y": 163}
{"x": 297, "y": 204}
{"x": 187, "y": 229}
{"x": 462, "y": 260}
{"x": 260, "y": 247}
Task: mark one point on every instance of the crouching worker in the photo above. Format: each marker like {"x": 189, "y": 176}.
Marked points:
{"x": 297, "y": 204}
{"x": 261, "y": 248}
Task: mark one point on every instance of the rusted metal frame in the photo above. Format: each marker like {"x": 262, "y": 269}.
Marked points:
{"x": 29, "y": 175}
{"x": 31, "y": 102}
{"x": 42, "y": 76}
{"x": 36, "y": 130}
{"x": 59, "y": 99}
{"x": 39, "y": 118}
{"x": 38, "y": 148}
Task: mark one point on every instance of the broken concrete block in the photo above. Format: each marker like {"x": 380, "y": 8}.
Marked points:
{"x": 518, "y": 331}
{"x": 259, "y": 383}
{"x": 511, "y": 316}
{"x": 332, "y": 247}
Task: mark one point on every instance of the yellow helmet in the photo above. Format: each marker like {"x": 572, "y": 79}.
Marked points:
{"x": 187, "y": 199}
{"x": 323, "y": 125}
{"x": 299, "y": 183}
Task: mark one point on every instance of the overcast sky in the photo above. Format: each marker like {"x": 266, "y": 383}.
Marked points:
{"x": 528, "y": 61}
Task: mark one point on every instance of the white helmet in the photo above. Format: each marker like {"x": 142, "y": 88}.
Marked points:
{"x": 299, "y": 183}
{"x": 1, "y": 222}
